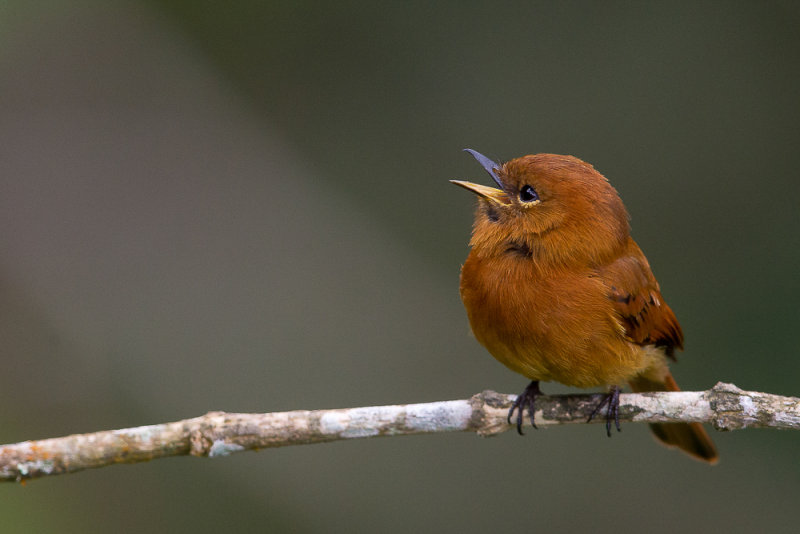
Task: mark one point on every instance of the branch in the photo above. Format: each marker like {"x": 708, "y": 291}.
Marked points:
{"x": 724, "y": 406}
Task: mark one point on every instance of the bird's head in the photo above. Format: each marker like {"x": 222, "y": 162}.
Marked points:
{"x": 552, "y": 208}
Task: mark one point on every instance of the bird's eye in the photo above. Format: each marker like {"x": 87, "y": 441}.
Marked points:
{"x": 528, "y": 194}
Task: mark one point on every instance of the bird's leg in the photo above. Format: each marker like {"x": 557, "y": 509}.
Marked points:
{"x": 612, "y": 413}
{"x": 525, "y": 400}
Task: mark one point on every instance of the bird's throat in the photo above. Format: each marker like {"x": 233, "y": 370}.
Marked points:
{"x": 519, "y": 249}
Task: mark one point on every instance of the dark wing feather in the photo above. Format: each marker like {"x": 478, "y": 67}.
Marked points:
{"x": 637, "y": 299}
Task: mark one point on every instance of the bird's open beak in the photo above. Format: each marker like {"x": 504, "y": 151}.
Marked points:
{"x": 490, "y": 166}
{"x": 489, "y": 193}
{"x": 495, "y": 195}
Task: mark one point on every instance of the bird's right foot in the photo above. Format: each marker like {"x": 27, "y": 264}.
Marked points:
{"x": 527, "y": 400}
{"x": 611, "y": 400}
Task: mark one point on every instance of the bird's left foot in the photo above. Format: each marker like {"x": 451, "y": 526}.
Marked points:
{"x": 612, "y": 412}
{"x": 527, "y": 400}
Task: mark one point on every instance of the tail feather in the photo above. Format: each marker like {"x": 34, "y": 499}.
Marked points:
{"x": 691, "y": 438}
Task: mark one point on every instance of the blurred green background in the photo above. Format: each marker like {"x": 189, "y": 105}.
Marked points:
{"x": 245, "y": 206}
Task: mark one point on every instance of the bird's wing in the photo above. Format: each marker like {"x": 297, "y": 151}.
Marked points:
{"x": 637, "y": 299}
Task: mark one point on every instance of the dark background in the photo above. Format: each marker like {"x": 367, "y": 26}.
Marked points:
{"x": 245, "y": 206}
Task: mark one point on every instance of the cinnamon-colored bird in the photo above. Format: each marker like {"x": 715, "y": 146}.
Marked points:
{"x": 557, "y": 290}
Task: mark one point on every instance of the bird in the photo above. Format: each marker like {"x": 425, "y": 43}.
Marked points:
{"x": 556, "y": 289}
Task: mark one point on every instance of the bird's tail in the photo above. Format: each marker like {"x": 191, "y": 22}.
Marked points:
{"x": 691, "y": 438}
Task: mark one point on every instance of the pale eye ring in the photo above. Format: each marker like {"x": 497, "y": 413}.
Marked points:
{"x": 528, "y": 194}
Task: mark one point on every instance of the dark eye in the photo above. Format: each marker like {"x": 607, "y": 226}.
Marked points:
{"x": 528, "y": 194}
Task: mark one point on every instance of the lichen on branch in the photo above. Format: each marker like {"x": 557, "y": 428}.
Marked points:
{"x": 725, "y": 406}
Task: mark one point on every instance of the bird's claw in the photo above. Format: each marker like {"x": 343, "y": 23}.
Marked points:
{"x": 526, "y": 399}
{"x": 612, "y": 412}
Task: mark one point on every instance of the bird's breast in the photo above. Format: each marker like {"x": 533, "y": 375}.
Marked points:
{"x": 547, "y": 324}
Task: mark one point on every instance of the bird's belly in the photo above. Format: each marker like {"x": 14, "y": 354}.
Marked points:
{"x": 585, "y": 367}
{"x": 552, "y": 329}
